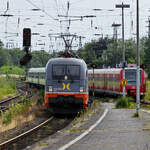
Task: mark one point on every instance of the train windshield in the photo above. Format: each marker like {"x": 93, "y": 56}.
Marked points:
{"x": 130, "y": 75}
{"x": 72, "y": 72}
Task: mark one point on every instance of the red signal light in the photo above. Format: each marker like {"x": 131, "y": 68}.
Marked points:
{"x": 94, "y": 65}
{"x": 27, "y": 37}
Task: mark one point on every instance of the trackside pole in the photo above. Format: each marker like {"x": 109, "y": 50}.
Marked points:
{"x": 26, "y": 85}
{"x": 122, "y": 6}
{"x": 93, "y": 92}
{"x": 138, "y": 90}
{"x": 138, "y": 64}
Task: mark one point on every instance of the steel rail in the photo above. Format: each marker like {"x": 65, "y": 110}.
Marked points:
{"x": 10, "y": 141}
{"x": 9, "y": 99}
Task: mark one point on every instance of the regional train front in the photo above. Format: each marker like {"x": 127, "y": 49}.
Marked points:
{"x": 66, "y": 89}
{"x": 130, "y": 75}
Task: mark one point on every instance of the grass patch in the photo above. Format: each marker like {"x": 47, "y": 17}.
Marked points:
{"x": 147, "y": 96}
{"x": 44, "y": 144}
{"x": 73, "y": 130}
{"x": 19, "y": 114}
{"x": 7, "y": 88}
{"x": 145, "y": 106}
{"x": 15, "y": 110}
{"x": 85, "y": 115}
{"x": 124, "y": 102}
{"x": 48, "y": 128}
{"x": 62, "y": 121}
{"x": 136, "y": 115}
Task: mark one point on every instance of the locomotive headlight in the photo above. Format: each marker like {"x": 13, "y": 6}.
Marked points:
{"x": 50, "y": 89}
{"x": 81, "y": 89}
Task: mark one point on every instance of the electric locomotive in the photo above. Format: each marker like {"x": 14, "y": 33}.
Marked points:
{"x": 66, "y": 85}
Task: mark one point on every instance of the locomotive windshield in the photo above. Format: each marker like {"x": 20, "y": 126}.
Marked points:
{"x": 130, "y": 75}
{"x": 72, "y": 71}
{"x": 58, "y": 70}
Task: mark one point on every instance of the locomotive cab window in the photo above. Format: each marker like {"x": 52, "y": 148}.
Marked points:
{"x": 58, "y": 71}
{"x": 72, "y": 71}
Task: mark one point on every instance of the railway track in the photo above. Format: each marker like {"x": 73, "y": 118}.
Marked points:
{"x": 29, "y": 137}
{"x": 4, "y": 104}
{"x": 7, "y": 143}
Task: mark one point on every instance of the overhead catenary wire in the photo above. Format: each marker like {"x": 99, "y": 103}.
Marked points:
{"x": 77, "y": 27}
{"x": 57, "y": 6}
{"x": 42, "y": 10}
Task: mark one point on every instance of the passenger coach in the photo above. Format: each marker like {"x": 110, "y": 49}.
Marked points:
{"x": 36, "y": 77}
{"x": 109, "y": 81}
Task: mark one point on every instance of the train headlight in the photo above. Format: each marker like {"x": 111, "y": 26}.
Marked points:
{"x": 81, "y": 89}
{"x": 50, "y": 89}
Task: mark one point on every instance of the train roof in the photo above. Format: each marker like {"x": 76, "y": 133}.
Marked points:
{"x": 61, "y": 60}
{"x": 110, "y": 70}
{"x": 32, "y": 70}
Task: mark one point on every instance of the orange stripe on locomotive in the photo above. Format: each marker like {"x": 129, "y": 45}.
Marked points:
{"x": 84, "y": 96}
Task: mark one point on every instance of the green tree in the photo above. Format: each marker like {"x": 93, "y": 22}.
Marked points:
{"x": 146, "y": 48}
{"x": 5, "y": 58}
{"x": 1, "y": 44}
{"x": 16, "y": 55}
{"x": 39, "y": 58}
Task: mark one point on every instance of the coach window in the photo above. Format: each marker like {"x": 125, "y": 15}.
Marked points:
{"x": 33, "y": 75}
{"x": 40, "y": 75}
{"x": 29, "y": 74}
{"x": 89, "y": 77}
{"x": 43, "y": 75}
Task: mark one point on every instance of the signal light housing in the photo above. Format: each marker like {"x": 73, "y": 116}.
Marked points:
{"x": 143, "y": 66}
{"x": 93, "y": 65}
{"x": 27, "y": 37}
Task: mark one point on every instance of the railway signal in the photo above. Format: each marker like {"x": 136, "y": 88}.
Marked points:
{"x": 26, "y": 44}
{"x": 26, "y": 37}
{"x": 93, "y": 65}
{"x": 143, "y": 66}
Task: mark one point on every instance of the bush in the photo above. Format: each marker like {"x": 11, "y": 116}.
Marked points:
{"x": 124, "y": 102}
{"x": 12, "y": 70}
{"x": 147, "y": 96}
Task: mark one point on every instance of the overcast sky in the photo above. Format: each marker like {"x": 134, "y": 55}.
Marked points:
{"x": 24, "y": 17}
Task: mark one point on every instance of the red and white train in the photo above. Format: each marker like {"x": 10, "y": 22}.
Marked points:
{"x": 110, "y": 81}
